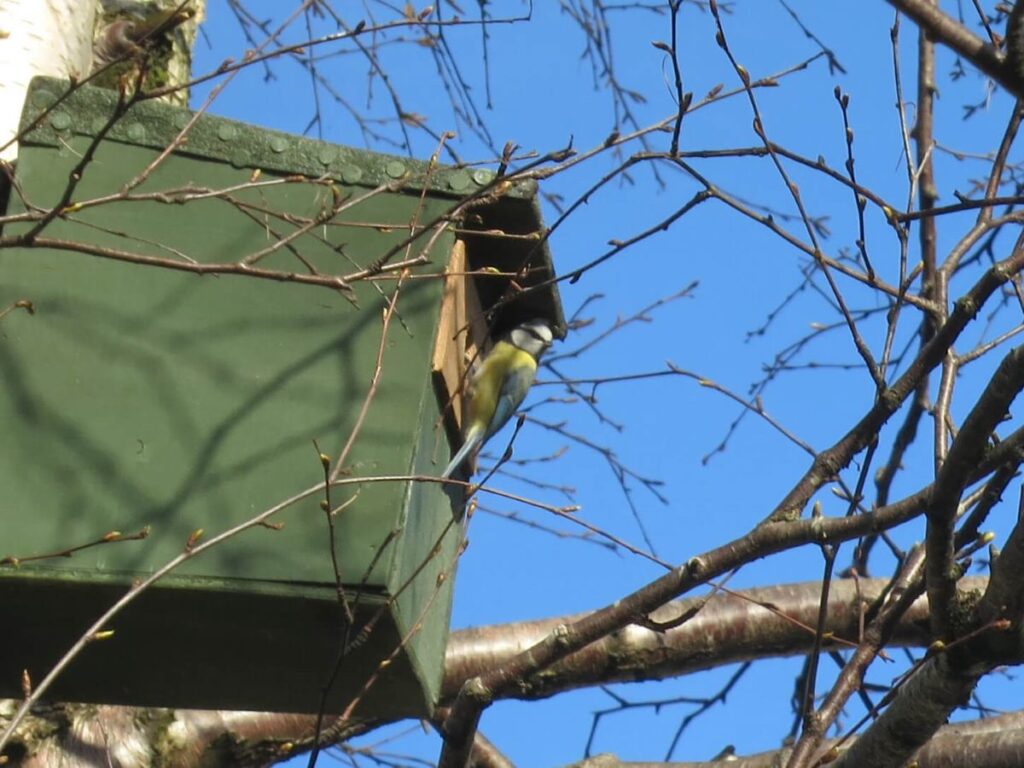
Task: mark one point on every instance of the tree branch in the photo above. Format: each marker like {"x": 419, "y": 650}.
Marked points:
{"x": 949, "y": 32}
{"x": 966, "y": 451}
{"x": 994, "y": 742}
{"x": 768, "y": 621}
{"x": 924, "y": 702}
{"x": 565, "y": 639}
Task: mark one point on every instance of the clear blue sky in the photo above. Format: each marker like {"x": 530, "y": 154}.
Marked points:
{"x": 543, "y": 97}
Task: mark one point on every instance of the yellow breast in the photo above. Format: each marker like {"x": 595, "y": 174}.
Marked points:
{"x": 488, "y": 381}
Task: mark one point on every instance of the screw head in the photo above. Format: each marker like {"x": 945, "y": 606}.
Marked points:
{"x": 458, "y": 180}
{"x": 61, "y": 121}
{"x": 351, "y": 174}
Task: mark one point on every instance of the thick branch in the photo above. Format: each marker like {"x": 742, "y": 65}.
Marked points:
{"x": 906, "y": 588}
{"x": 1015, "y": 41}
{"x": 923, "y": 704}
{"x": 948, "y": 31}
{"x": 729, "y": 628}
{"x": 964, "y": 455}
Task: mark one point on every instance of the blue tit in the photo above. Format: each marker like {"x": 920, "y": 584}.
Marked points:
{"x": 499, "y": 384}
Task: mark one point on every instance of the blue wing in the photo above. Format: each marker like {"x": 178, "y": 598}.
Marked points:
{"x": 514, "y": 386}
{"x": 513, "y": 391}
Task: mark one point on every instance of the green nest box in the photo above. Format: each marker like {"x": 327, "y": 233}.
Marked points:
{"x": 211, "y": 301}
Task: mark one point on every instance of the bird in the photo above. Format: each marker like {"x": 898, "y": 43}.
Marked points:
{"x": 499, "y": 384}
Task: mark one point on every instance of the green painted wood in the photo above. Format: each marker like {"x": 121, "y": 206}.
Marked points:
{"x": 202, "y": 642}
{"x": 56, "y": 113}
{"x": 138, "y": 396}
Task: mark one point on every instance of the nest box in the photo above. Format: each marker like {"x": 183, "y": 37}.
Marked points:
{"x": 157, "y": 387}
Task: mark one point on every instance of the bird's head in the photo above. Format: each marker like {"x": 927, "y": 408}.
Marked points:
{"x": 533, "y": 337}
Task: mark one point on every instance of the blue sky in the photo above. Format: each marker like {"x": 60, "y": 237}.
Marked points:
{"x": 543, "y": 96}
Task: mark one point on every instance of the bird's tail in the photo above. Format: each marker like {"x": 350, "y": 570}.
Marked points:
{"x": 473, "y": 439}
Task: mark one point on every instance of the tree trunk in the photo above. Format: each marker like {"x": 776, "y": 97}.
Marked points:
{"x": 40, "y": 37}
{"x": 56, "y": 38}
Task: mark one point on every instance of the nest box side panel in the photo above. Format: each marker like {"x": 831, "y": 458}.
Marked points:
{"x": 139, "y": 396}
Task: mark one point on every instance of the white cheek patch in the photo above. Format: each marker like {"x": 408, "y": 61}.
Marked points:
{"x": 533, "y": 338}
